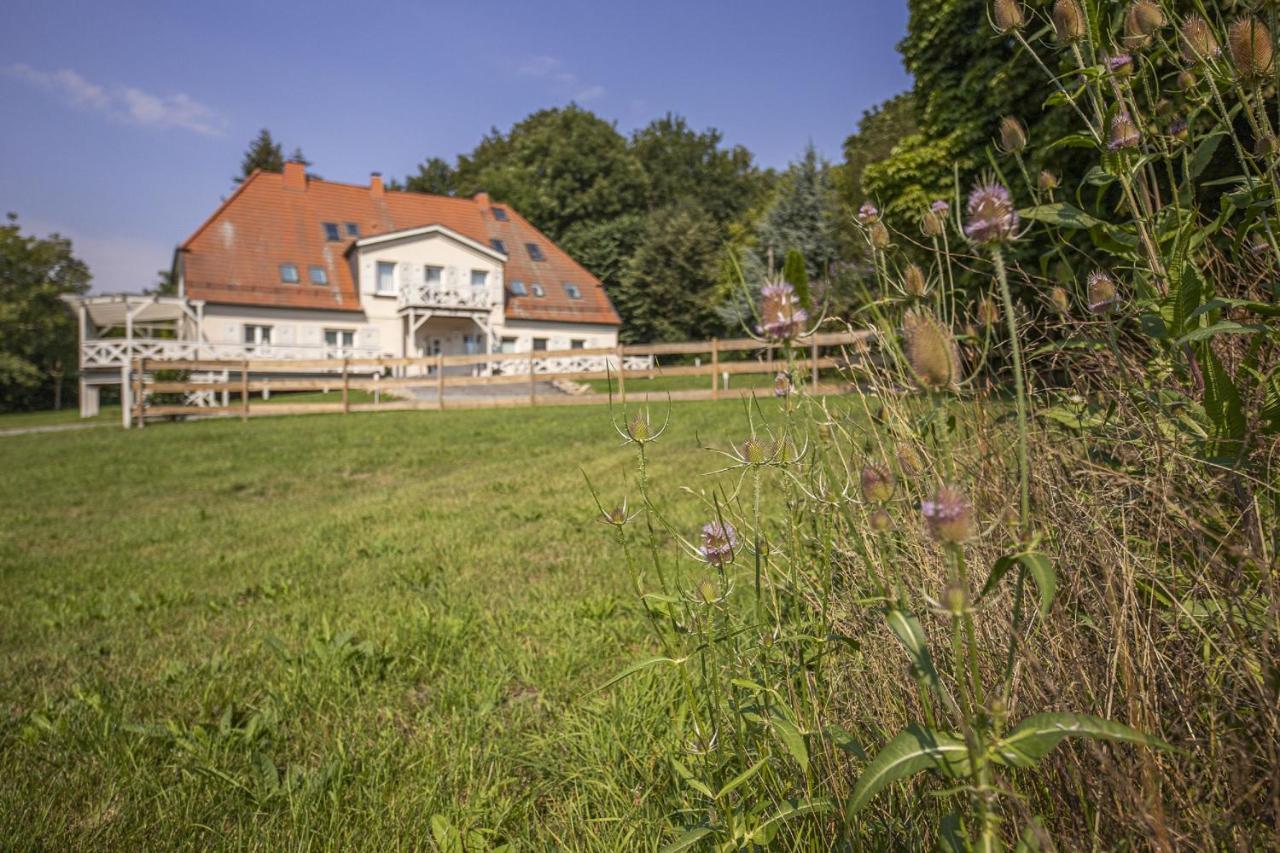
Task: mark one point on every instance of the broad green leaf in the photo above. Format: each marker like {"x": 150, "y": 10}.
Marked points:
{"x": 1034, "y": 737}
{"x": 1074, "y": 140}
{"x": 1222, "y": 327}
{"x": 687, "y": 840}
{"x": 1264, "y": 309}
{"x": 793, "y": 739}
{"x": 1204, "y": 153}
{"x": 1222, "y": 404}
{"x": 636, "y": 667}
{"x": 692, "y": 781}
{"x": 741, "y": 779}
{"x": 914, "y": 749}
{"x": 1060, "y": 213}
{"x": 844, "y": 741}
{"x": 1037, "y": 565}
{"x": 908, "y": 630}
{"x": 790, "y": 809}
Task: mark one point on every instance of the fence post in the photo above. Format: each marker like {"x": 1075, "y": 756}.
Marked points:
{"x": 533, "y": 385}
{"x": 346, "y": 388}
{"x": 814, "y": 356}
{"x": 244, "y": 390}
{"x": 715, "y": 368}
{"x": 622, "y": 376}
{"x": 440, "y": 379}
{"x": 139, "y": 414}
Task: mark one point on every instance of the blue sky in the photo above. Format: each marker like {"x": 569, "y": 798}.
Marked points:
{"x": 123, "y": 122}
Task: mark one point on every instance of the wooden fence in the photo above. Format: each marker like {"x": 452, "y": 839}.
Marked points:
{"x": 222, "y": 380}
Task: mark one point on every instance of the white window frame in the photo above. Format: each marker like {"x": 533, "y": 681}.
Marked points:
{"x": 391, "y": 277}
{"x": 482, "y": 275}
{"x": 438, "y": 281}
{"x": 256, "y": 335}
{"x": 344, "y": 343}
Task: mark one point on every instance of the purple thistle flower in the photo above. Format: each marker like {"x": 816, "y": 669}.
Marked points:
{"x": 940, "y": 207}
{"x": 868, "y": 213}
{"x": 781, "y": 318}
{"x": 1121, "y": 63}
{"x": 949, "y": 515}
{"x": 719, "y": 541}
{"x": 1102, "y": 293}
{"x": 992, "y": 218}
{"x": 782, "y": 384}
{"x": 1124, "y": 133}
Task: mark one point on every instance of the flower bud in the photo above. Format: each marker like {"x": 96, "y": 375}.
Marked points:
{"x": 1265, "y": 146}
{"x": 930, "y": 350}
{"x": 719, "y": 541}
{"x": 1007, "y": 16}
{"x": 755, "y": 451}
{"x": 913, "y": 280}
{"x": 1142, "y": 20}
{"x": 877, "y": 483}
{"x": 879, "y": 235}
{"x": 1179, "y": 129}
{"x": 1120, "y": 65}
{"x": 1251, "y": 50}
{"x": 868, "y": 214}
{"x": 1013, "y": 136}
{"x": 1187, "y": 81}
{"x": 931, "y": 224}
{"x": 949, "y": 515}
{"x": 909, "y": 462}
{"x": 1103, "y": 297}
{"x": 1124, "y": 133}
{"x": 782, "y": 384}
{"x": 880, "y": 521}
{"x": 954, "y": 598}
{"x": 988, "y": 313}
{"x": 1059, "y": 300}
{"x": 616, "y": 516}
{"x": 1048, "y": 181}
{"x": 992, "y": 216}
{"x": 1068, "y": 21}
{"x": 708, "y": 592}
{"x": 639, "y": 428}
{"x": 1198, "y": 41}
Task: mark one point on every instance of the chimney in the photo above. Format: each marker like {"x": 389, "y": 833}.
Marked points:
{"x": 375, "y": 184}
{"x": 481, "y": 199}
{"x": 295, "y": 176}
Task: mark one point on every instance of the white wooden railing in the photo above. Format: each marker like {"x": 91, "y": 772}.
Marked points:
{"x": 423, "y": 295}
{"x": 121, "y": 352}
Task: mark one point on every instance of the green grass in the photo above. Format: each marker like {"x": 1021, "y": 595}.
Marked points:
{"x": 325, "y": 631}
{"x": 71, "y": 415}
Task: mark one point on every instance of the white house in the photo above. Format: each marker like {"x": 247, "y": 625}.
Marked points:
{"x": 291, "y": 266}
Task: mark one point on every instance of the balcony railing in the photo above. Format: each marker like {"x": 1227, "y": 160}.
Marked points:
{"x": 424, "y": 295}
{"x": 121, "y": 352}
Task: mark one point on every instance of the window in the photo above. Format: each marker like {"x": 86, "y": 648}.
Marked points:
{"x": 499, "y": 214}
{"x": 518, "y": 288}
{"x": 572, "y": 291}
{"x": 508, "y": 345}
{"x": 335, "y": 339}
{"x": 318, "y": 275}
{"x": 498, "y": 245}
{"x": 289, "y": 273}
{"x": 386, "y": 277}
{"x": 537, "y": 289}
{"x": 257, "y": 335}
{"x": 331, "y": 231}
{"x": 539, "y": 344}
{"x": 535, "y": 251}
{"x": 577, "y": 343}
{"x": 353, "y": 230}
{"x": 432, "y": 275}
{"x": 471, "y": 344}
{"x": 479, "y": 278}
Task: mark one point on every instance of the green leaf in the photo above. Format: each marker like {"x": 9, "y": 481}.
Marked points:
{"x": 914, "y": 749}
{"x": 908, "y": 630}
{"x": 1060, "y": 213}
{"x": 790, "y": 809}
{"x": 793, "y": 739}
{"x": 1204, "y": 152}
{"x": 1037, "y": 565}
{"x": 844, "y": 741}
{"x": 688, "y": 839}
{"x": 1222, "y": 327}
{"x": 1034, "y": 737}
{"x": 741, "y": 779}
{"x": 1074, "y": 140}
{"x": 636, "y": 667}
{"x": 692, "y": 781}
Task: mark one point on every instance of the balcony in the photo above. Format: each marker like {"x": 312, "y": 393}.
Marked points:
{"x": 432, "y": 295}
{"x": 122, "y": 352}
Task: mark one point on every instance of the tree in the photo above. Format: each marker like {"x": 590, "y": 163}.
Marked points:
{"x": 434, "y": 176}
{"x": 38, "y": 336}
{"x": 801, "y": 216}
{"x": 794, "y": 273}
{"x": 879, "y": 131}
{"x": 264, "y": 153}
{"x": 166, "y": 284}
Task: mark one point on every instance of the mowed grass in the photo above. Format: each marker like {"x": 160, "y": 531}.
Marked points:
{"x": 328, "y": 631}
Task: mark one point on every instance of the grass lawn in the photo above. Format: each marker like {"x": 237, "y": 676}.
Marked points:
{"x": 327, "y": 631}
{"x": 71, "y": 415}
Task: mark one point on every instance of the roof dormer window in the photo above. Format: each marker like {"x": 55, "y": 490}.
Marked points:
{"x": 331, "y": 232}
{"x": 318, "y": 276}
{"x": 536, "y": 290}
{"x": 517, "y": 288}
{"x": 572, "y": 291}
{"x": 499, "y": 214}
{"x": 289, "y": 273}
{"x": 353, "y": 230}
{"x": 535, "y": 251}
{"x": 498, "y": 245}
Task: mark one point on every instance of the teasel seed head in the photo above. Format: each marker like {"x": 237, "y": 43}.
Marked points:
{"x": 879, "y": 235}
{"x": 1013, "y": 135}
{"x": 931, "y": 350}
{"x": 1187, "y": 81}
{"x": 755, "y": 451}
{"x": 1198, "y": 41}
{"x": 913, "y": 280}
{"x": 949, "y": 515}
{"x": 1252, "y": 53}
{"x": 1059, "y": 300}
{"x": 909, "y": 462}
{"x": 1068, "y": 21}
{"x": 1124, "y": 133}
{"x": 782, "y": 384}
{"x": 1141, "y": 21}
{"x": 708, "y": 592}
{"x": 876, "y": 482}
{"x": 1102, "y": 294}
{"x": 1007, "y": 16}
{"x": 719, "y": 541}
{"x": 992, "y": 217}
{"x": 931, "y": 224}
{"x": 1048, "y": 181}
{"x": 988, "y": 313}
{"x": 639, "y": 429}
{"x": 1120, "y": 64}
{"x": 1265, "y": 146}
{"x": 880, "y": 521}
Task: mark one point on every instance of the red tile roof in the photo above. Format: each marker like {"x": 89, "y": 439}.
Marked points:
{"x": 273, "y": 219}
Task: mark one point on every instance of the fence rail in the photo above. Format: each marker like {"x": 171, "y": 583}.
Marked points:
{"x": 212, "y": 379}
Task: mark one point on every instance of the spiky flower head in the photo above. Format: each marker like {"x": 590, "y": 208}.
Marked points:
{"x": 1013, "y": 135}
{"x": 1006, "y": 16}
{"x": 639, "y": 429}
{"x": 909, "y": 462}
{"x": 781, "y": 317}
{"x": 876, "y": 482}
{"x": 879, "y": 235}
{"x": 949, "y": 515}
{"x": 1047, "y": 181}
{"x": 719, "y": 541}
{"x": 1187, "y": 81}
{"x": 1068, "y": 21}
{"x": 1266, "y": 145}
{"x": 707, "y": 591}
{"x": 1251, "y": 48}
{"x": 868, "y": 213}
{"x": 992, "y": 217}
{"x": 913, "y": 280}
{"x": 940, "y": 207}
{"x": 930, "y": 350}
{"x": 755, "y": 451}
{"x": 1059, "y": 300}
{"x": 881, "y": 521}
{"x": 1124, "y": 133}
{"x": 1198, "y": 41}
{"x": 1179, "y": 129}
{"x": 616, "y": 516}
{"x": 988, "y": 313}
{"x": 1121, "y": 64}
{"x": 1102, "y": 294}
{"x": 1142, "y": 20}
{"x": 931, "y": 224}
{"x": 782, "y": 384}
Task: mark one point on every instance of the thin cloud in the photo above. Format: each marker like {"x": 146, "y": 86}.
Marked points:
{"x": 564, "y": 81}
{"x": 124, "y": 103}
